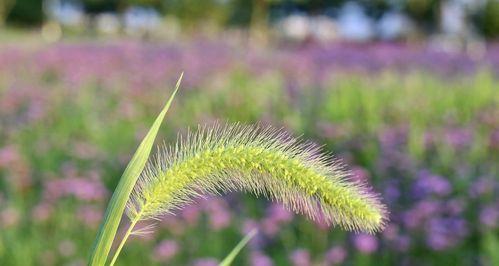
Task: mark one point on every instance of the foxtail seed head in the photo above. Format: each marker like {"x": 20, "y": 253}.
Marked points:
{"x": 263, "y": 161}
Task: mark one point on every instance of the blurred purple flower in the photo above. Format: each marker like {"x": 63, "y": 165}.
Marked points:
{"x": 365, "y": 243}
{"x": 166, "y": 250}
{"x": 276, "y": 216}
{"x": 191, "y": 213}
{"x": 300, "y": 257}
{"x": 42, "y": 212}
{"x": 391, "y": 231}
{"x": 279, "y": 214}
{"x": 9, "y": 217}
{"x": 8, "y": 156}
{"x": 90, "y": 216}
{"x": 205, "y": 262}
{"x": 219, "y": 213}
{"x": 402, "y": 243}
{"x": 415, "y": 217}
{"x": 257, "y": 258}
{"x": 494, "y": 139}
{"x": 455, "y": 206}
{"x": 335, "y": 255}
{"x": 391, "y": 193}
{"x": 81, "y": 188}
{"x": 489, "y": 216}
{"x": 393, "y": 137}
{"x": 459, "y": 137}
{"x": 483, "y": 186}
{"x": 443, "y": 233}
{"x": 270, "y": 227}
{"x": 174, "y": 224}
{"x": 431, "y": 183}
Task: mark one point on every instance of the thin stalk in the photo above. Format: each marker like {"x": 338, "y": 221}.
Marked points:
{"x": 123, "y": 240}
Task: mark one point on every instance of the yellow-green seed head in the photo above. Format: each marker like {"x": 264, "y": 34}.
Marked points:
{"x": 263, "y": 161}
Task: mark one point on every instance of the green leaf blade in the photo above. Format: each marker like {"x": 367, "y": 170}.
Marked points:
{"x": 116, "y": 207}
{"x": 232, "y": 255}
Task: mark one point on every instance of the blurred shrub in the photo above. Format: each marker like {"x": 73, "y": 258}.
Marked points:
{"x": 488, "y": 20}
{"x": 99, "y": 6}
{"x": 26, "y": 12}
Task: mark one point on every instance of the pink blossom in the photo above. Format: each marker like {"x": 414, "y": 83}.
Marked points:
{"x": 166, "y": 250}
{"x": 219, "y": 214}
{"x": 90, "y": 215}
{"x": 300, "y": 257}
{"x": 365, "y": 243}
{"x": 42, "y": 212}
{"x": 191, "y": 213}
{"x": 81, "y": 188}
{"x": 205, "y": 262}
{"x": 335, "y": 255}
{"x": 259, "y": 259}
{"x": 9, "y": 217}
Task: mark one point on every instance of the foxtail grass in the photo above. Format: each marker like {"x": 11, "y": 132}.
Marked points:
{"x": 260, "y": 160}
{"x": 218, "y": 159}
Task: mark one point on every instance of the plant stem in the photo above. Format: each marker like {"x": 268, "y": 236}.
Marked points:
{"x": 123, "y": 240}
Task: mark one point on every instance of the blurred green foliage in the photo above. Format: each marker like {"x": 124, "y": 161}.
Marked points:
{"x": 256, "y": 13}
{"x": 488, "y": 19}
{"x": 26, "y": 12}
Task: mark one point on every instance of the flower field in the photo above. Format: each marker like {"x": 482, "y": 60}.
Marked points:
{"x": 419, "y": 124}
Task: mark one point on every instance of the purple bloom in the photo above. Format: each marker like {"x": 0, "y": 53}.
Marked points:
{"x": 335, "y": 255}
{"x": 430, "y": 183}
{"x": 443, "y": 233}
{"x": 81, "y": 188}
{"x": 166, "y": 250}
{"x": 190, "y": 213}
{"x": 276, "y": 216}
{"x": 391, "y": 231}
{"x": 259, "y": 259}
{"x": 402, "y": 243}
{"x": 459, "y": 137}
{"x": 218, "y": 211}
{"x": 278, "y": 213}
{"x": 8, "y": 156}
{"x": 9, "y": 217}
{"x": 90, "y": 215}
{"x": 489, "y": 216}
{"x": 365, "y": 243}
{"x": 483, "y": 186}
{"x": 300, "y": 257}
{"x": 205, "y": 262}
{"x": 416, "y": 216}
{"x": 42, "y": 212}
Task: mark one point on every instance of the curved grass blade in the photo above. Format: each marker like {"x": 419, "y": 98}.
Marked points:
{"x": 114, "y": 212}
{"x": 232, "y": 255}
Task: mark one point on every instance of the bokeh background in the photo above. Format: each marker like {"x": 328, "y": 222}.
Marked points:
{"x": 405, "y": 92}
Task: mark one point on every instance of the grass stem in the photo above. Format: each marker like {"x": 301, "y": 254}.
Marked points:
{"x": 123, "y": 240}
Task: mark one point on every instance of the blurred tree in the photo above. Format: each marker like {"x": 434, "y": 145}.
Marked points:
{"x": 5, "y": 7}
{"x": 157, "y": 4}
{"x": 424, "y": 12}
{"x": 488, "y": 19}
{"x": 93, "y": 7}
{"x": 193, "y": 13}
{"x": 26, "y": 12}
{"x": 376, "y": 8}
